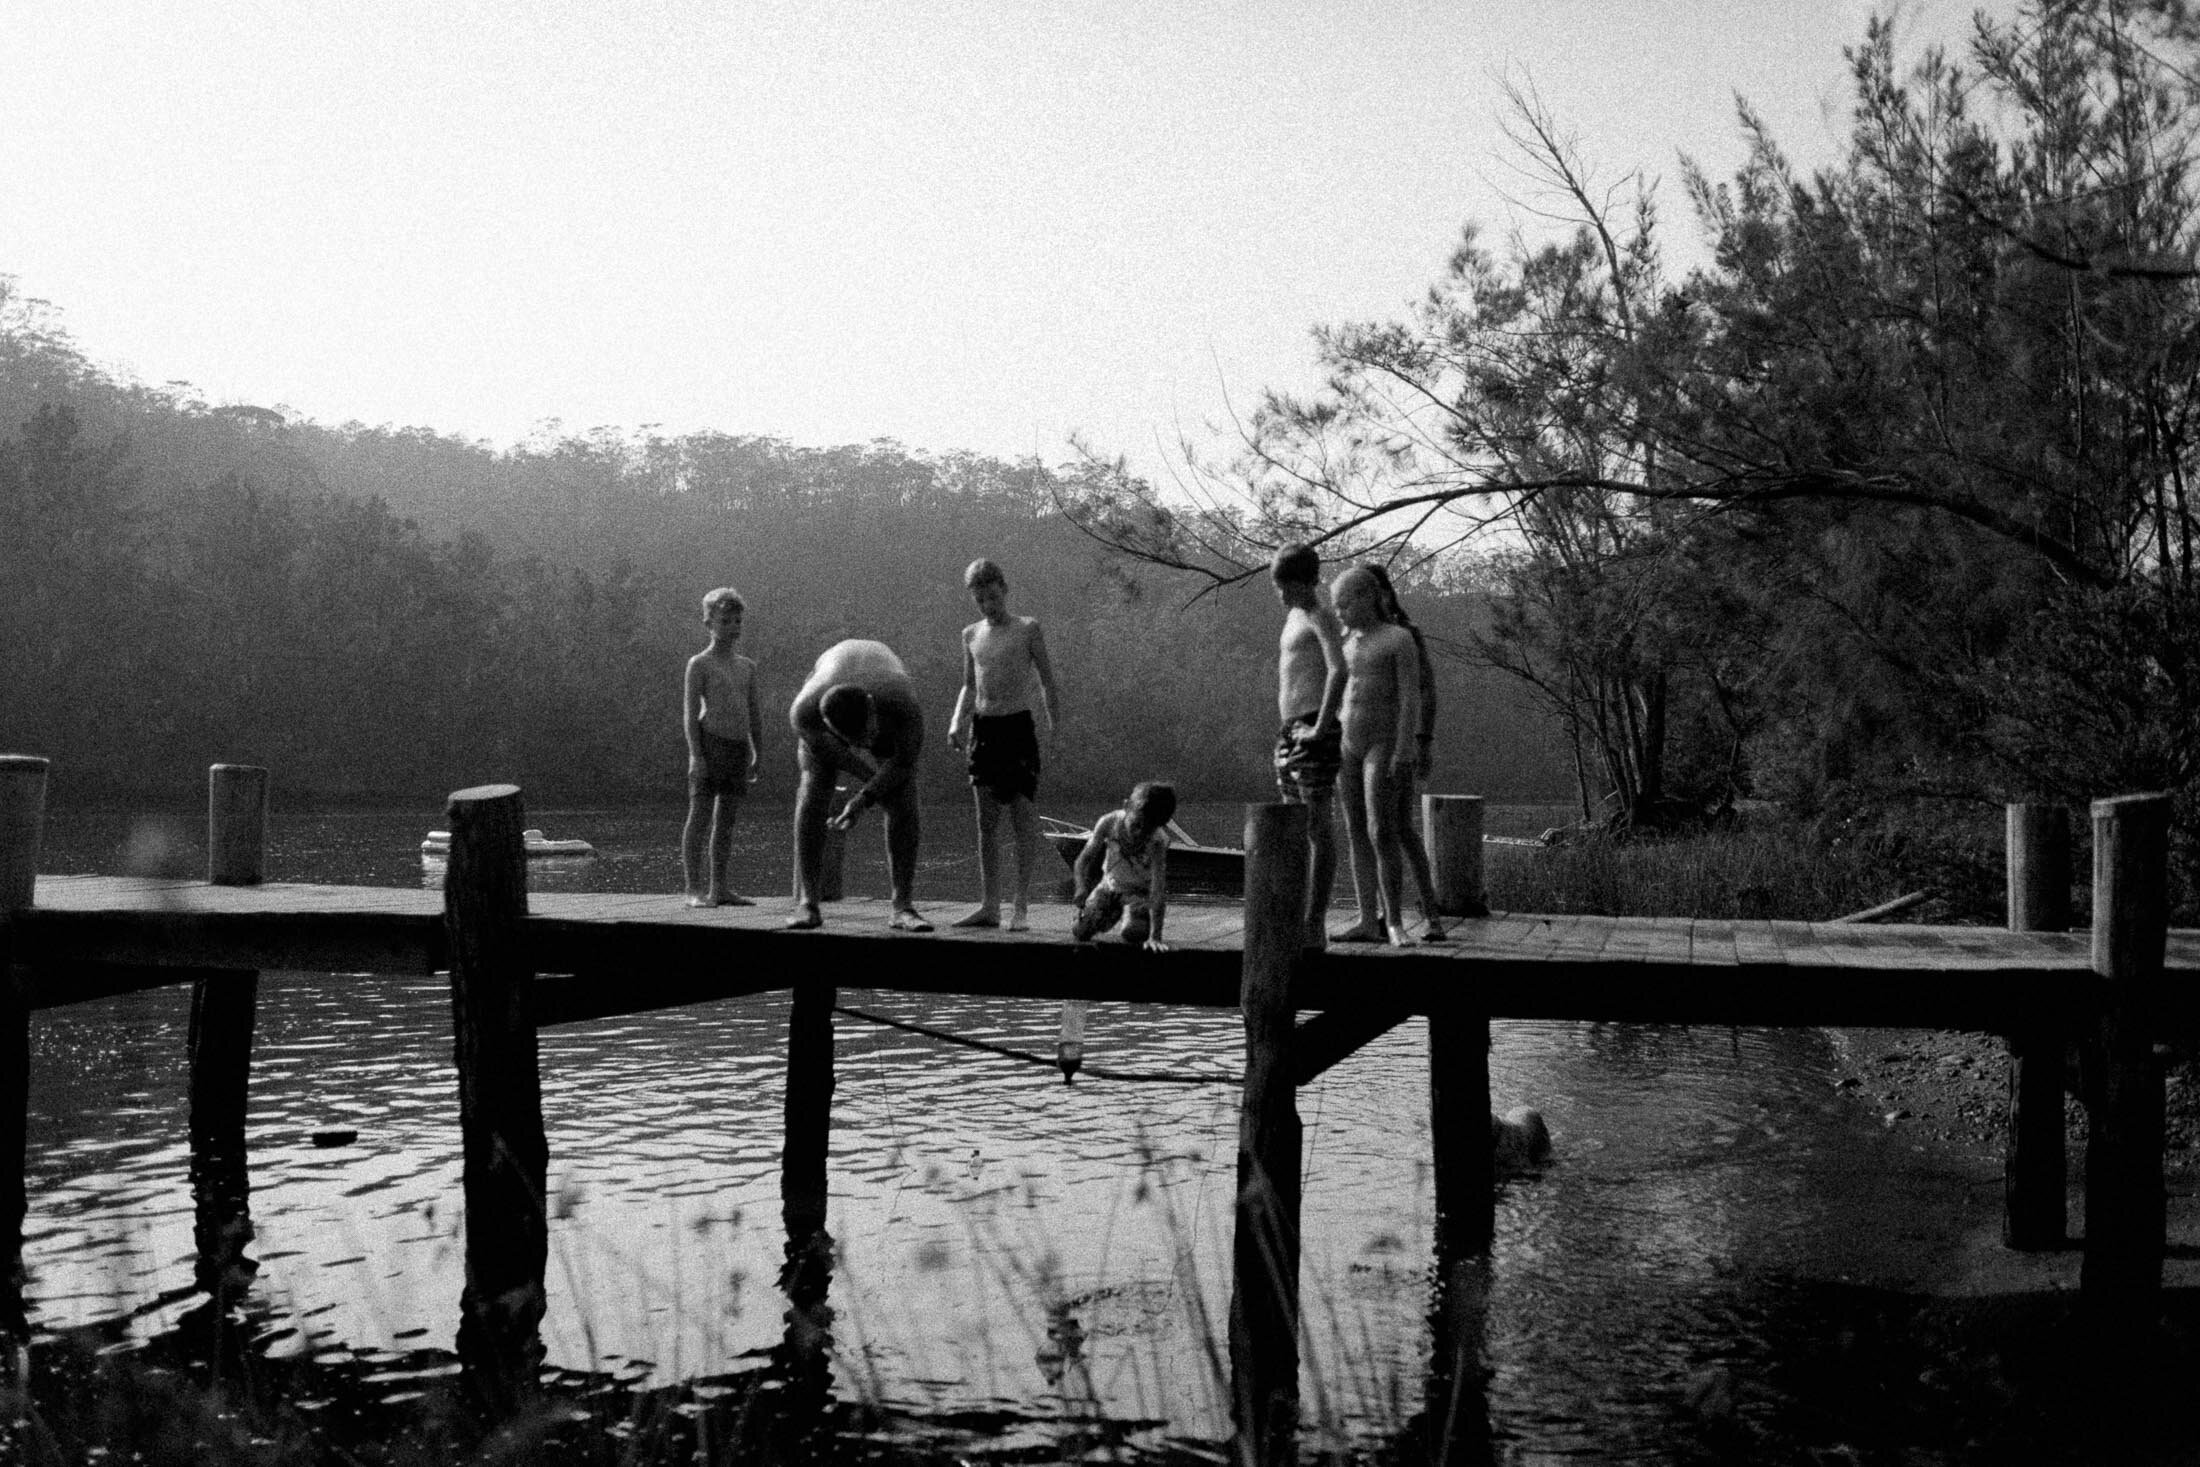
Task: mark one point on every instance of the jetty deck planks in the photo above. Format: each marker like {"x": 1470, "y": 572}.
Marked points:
{"x": 87, "y": 936}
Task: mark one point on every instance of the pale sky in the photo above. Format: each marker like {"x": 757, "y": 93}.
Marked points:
{"x": 973, "y": 225}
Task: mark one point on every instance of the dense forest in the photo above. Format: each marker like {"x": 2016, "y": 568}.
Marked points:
{"x": 1887, "y": 503}
{"x": 389, "y": 614}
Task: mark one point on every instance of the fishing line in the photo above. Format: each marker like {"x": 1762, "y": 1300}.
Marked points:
{"x": 1212, "y": 1077}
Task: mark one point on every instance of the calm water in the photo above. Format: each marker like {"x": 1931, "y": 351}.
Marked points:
{"x": 1010, "y": 1246}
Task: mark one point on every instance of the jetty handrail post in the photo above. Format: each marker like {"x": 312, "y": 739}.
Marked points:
{"x": 222, "y": 1015}
{"x": 1264, "y": 1291}
{"x": 236, "y": 825}
{"x": 22, "y": 826}
{"x": 1451, "y": 825}
{"x": 506, "y": 1155}
{"x": 2034, "y": 1174}
{"x": 2125, "y": 1203}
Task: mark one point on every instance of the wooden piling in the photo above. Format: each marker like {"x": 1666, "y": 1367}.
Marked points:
{"x": 809, "y": 1108}
{"x": 22, "y": 822}
{"x": 806, "y": 1273}
{"x": 1264, "y": 1293}
{"x": 499, "y": 1096}
{"x": 1452, "y": 826}
{"x": 1459, "y": 1113}
{"x": 222, "y": 1014}
{"x": 2034, "y": 1214}
{"x": 2125, "y": 1206}
{"x": 236, "y": 825}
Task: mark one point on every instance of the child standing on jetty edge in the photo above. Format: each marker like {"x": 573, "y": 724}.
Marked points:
{"x": 725, "y": 735}
{"x": 1381, "y": 716}
{"x": 1005, "y": 672}
{"x": 1310, "y": 677}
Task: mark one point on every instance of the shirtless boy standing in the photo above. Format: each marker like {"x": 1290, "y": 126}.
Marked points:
{"x": 1310, "y": 680}
{"x": 1005, "y": 673}
{"x": 1381, "y": 716}
{"x": 725, "y": 733}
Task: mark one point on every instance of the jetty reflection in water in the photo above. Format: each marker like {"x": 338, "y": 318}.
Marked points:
{"x": 1009, "y": 1249}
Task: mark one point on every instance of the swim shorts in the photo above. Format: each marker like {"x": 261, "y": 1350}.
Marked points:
{"x": 725, "y": 765}
{"x": 1307, "y": 766}
{"x": 1004, "y": 755}
{"x": 1104, "y": 906}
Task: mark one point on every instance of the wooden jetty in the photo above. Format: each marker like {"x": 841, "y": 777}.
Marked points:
{"x": 522, "y": 961}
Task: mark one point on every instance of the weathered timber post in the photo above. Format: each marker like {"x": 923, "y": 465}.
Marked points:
{"x": 22, "y": 823}
{"x": 809, "y": 1109}
{"x": 499, "y": 1096}
{"x": 236, "y": 825}
{"x": 803, "y": 1357}
{"x": 2033, "y": 1173}
{"x": 2125, "y": 1206}
{"x": 1459, "y": 1126}
{"x": 221, "y": 1043}
{"x": 1264, "y": 1279}
{"x": 1452, "y": 826}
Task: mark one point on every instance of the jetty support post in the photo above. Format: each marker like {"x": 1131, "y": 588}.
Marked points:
{"x": 2120, "y": 1280}
{"x": 499, "y": 1097}
{"x": 1264, "y": 1280}
{"x": 22, "y": 826}
{"x": 798, "y": 1423}
{"x": 1452, "y": 827}
{"x": 222, "y": 1014}
{"x": 804, "y": 1163}
{"x": 2034, "y": 1214}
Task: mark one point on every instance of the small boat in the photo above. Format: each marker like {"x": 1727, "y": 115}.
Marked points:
{"x": 538, "y": 845}
{"x": 1202, "y": 869}
{"x": 1194, "y": 869}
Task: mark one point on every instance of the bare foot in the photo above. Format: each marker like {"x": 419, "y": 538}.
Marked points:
{"x": 805, "y": 919}
{"x": 1399, "y": 937}
{"x": 732, "y": 899}
{"x": 908, "y": 919}
{"x": 700, "y": 901}
{"x": 1019, "y": 920}
{"x": 979, "y": 917}
{"x": 1369, "y": 931}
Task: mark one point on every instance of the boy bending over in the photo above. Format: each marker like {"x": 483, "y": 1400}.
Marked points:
{"x": 1123, "y": 871}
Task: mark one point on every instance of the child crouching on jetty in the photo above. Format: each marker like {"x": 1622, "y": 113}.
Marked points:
{"x": 1123, "y": 871}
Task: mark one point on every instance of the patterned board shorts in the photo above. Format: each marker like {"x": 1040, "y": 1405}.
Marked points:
{"x": 1307, "y": 766}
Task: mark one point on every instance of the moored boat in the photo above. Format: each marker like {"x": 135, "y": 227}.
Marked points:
{"x": 538, "y": 845}
{"x": 1204, "y": 870}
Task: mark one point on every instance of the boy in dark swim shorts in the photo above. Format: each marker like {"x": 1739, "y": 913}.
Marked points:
{"x": 725, "y": 733}
{"x": 1007, "y": 681}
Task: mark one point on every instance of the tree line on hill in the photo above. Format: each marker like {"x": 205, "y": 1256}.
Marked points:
{"x": 384, "y": 614}
{"x": 1889, "y": 501}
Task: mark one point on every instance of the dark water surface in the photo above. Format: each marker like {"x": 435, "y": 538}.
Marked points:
{"x": 1012, "y": 1250}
